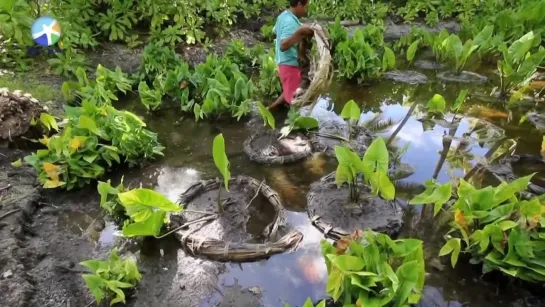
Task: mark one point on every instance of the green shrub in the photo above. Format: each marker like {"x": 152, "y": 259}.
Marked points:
{"x": 495, "y": 227}
{"x": 371, "y": 269}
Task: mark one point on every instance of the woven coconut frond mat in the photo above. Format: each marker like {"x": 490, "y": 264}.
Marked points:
{"x": 321, "y": 69}
{"x": 221, "y": 250}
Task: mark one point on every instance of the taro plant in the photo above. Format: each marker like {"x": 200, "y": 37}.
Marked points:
{"x": 147, "y": 211}
{"x": 497, "y": 228}
{"x": 94, "y": 138}
{"x": 372, "y": 169}
{"x": 437, "y": 104}
{"x": 220, "y": 87}
{"x": 157, "y": 60}
{"x": 109, "y": 199}
{"x": 457, "y": 52}
{"x": 266, "y": 115}
{"x": 269, "y": 81}
{"x": 371, "y": 269}
{"x": 109, "y": 278}
{"x": 518, "y": 64}
{"x": 151, "y": 98}
{"x": 222, "y": 163}
{"x": 356, "y": 59}
{"x": 306, "y": 123}
{"x": 351, "y": 113}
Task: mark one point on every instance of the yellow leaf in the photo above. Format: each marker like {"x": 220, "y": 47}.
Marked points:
{"x": 52, "y": 171}
{"x": 17, "y": 163}
{"x": 51, "y": 184}
{"x": 460, "y": 219}
{"x": 76, "y": 143}
{"x": 543, "y": 147}
{"x": 45, "y": 141}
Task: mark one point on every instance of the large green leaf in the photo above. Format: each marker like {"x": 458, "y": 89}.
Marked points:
{"x": 376, "y": 157}
{"x": 351, "y": 111}
{"x": 411, "y": 51}
{"x": 147, "y": 198}
{"x": 305, "y": 122}
{"x": 388, "y": 59}
{"x": 505, "y": 192}
{"x": 453, "y": 247}
{"x": 484, "y": 35}
{"x": 95, "y": 285}
{"x": 220, "y": 159}
{"x": 439, "y": 196}
{"x": 347, "y": 263}
{"x": 518, "y": 50}
{"x": 267, "y": 116}
{"x": 149, "y": 227}
{"x": 460, "y": 100}
{"x": 437, "y": 104}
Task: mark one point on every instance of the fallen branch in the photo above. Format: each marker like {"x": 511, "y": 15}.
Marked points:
{"x": 331, "y": 136}
{"x": 9, "y": 213}
{"x": 256, "y": 193}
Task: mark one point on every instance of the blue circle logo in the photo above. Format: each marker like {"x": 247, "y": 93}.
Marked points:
{"x": 46, "y": 31}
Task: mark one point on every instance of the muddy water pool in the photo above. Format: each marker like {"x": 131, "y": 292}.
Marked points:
{"x": 291, "y": 278}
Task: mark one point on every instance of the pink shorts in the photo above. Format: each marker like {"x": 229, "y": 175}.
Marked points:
{"x": 290, "y": 76}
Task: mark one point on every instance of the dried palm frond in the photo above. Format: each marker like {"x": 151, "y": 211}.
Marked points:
{"x": 321, "y": 69}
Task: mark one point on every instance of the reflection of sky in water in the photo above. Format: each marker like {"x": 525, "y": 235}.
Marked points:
{"x": 173, "y": 181}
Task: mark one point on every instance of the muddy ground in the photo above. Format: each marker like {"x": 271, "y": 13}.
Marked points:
{"x": 43, "y": 241}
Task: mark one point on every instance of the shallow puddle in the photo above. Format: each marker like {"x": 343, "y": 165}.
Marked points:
{"x": 292, "y": 277}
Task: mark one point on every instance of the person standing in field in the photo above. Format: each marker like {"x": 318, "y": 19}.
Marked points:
{"x": 289, "y": 32}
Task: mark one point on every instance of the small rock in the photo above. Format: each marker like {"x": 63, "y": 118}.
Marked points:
{"x": 27, "y": 95}
{"x": 45, "y": 108}
{"x": 255, "y": 290}
{"x": 436, "y": 264}
{"x": 17, "y": 93}
{"x": 7, "y": 274}
{"x": 20, "y": 267}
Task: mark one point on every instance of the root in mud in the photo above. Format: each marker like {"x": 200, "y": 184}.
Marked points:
{"x": 250, "y": 228}
{"x": 333, "y": 213}
{"x": 265, "y": 148}
{"x": 17, "y": 111}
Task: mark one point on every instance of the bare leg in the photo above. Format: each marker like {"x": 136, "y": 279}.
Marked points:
{"x": 280, "y": 100}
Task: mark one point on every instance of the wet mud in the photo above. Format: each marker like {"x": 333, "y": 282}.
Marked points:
{"x": 266, "y": 148}
{"x": 332, "y": 211}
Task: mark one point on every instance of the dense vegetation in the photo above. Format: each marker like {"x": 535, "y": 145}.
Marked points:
{"x": 495, "y": 226}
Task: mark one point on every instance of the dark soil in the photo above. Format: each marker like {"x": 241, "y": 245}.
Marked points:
{"x": 335, "y": 209}
{"x": 237, "y": 223}
{"x": 16, "y": 113}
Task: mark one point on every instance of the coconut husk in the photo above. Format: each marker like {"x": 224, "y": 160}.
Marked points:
{"x": 199, "y": 240}
{"x": 17, "y": 111}
{"x": 321, "y": 69}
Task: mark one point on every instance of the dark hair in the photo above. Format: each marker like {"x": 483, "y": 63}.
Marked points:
{"x": 294, "y": 3}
